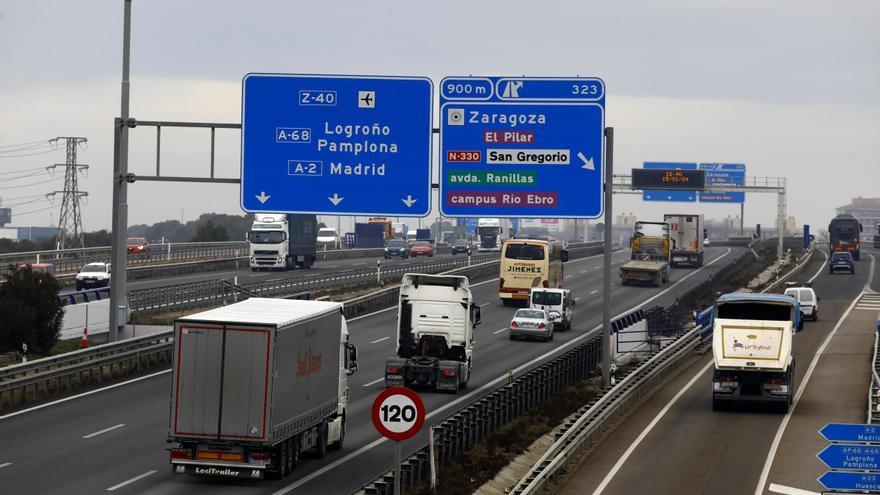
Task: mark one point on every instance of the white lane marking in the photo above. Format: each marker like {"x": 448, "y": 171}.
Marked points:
{"x": 5, "y": 464}
{"x": 484, "y": 305}
{"x": 568, "y": 276}
{"x": 370, "y": 384}
{"x": 820, "y": 270}
{"x": 771, "y": 455}
{"x": 136, "y": 478}
{"x": 84, "y": 394}
{"x": 620, "y": 462}
{"x": 496, "y": 332}
{"x": 597, "y": 268}
{"x": 105, "y": 430}
{"x": 584, "y": 271}
{"x": 487, "y": 386}
{"x": 152, "y": 375}
{"x": 790, "y": 490}
{"x": 383, "y": 339}
{"x": 594, "y": 292}
{"x": 577, "y": 299}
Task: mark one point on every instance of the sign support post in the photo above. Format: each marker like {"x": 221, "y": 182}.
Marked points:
{"x": 398, "y": 414}
{"x": 606, "y": 271}
{"x": 397, "y": 468}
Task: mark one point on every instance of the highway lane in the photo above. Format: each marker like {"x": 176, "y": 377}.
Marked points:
{"x": 89, "y": 465}
{"x": 715, "y": 452}
{"x": 245, "y": 275}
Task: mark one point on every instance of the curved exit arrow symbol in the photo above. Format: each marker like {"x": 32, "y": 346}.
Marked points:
{"x": 588, "y": 164}
{"x": 335, "y": 199}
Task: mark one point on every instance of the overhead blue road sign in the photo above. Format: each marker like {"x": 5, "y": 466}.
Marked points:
{"x": 724, "y": 175}
{"x": 522, "y": 147}
{"x": 846, "y": 432}
{"x": 667, "y": 194}
{"x": 842, "y": 480}
{"x": 855, "y": 457}
{"x": 336, "y": 145}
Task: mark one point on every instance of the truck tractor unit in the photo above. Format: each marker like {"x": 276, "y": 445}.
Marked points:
{"x": 436, "y": 317}
{"x": 283, "y": 242}
{"x": 686, "y": 232}
{"x": 256, "y": 384}
{"x": 649, "y": 259}
{"x": 751, "y": 344}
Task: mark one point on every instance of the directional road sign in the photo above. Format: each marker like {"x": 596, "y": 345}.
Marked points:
{"x": 336, "y": 145}
{"x": 724, "y": 175}
{"x": 668, "y": 194}
{"x": 859, "y": 457}
{"x": 522, "y": 147}
{"x": 846, "y": 432}
{"x": 841, "y": 480}
{"x": 398, "y": 413}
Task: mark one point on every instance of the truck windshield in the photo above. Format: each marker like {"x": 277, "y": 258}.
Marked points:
{"x": 547, "y": 298}
{"x": 326, "y": 233}
{"x": 517, "y": 251}
{"x": 266, "y": 237}
{"x": 755, "y": 311}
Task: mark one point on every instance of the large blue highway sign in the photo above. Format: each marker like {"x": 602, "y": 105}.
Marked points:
{"x": 856, "y": 457}
{"x": 846, "y": 432}
{"x": 668, "y": 194}
{"x": 724, "y": 175}
{"x": 336, "y": 145}
{"x": 841, "y": 480}
{"x": 520, "y": 147}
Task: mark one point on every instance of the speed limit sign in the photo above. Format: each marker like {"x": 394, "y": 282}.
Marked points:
{"x": 398, "y": 413}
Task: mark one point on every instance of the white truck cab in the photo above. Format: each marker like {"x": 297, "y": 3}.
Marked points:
{"x": 557, "y": 302}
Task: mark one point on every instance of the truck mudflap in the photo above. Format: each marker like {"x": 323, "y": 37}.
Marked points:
{"x": 440, "y": 374}
{"x": 196, "y": 468}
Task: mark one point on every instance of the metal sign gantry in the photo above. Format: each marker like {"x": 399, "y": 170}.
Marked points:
{"x": 622, "y": 184}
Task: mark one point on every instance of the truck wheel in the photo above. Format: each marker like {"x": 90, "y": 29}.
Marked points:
{"x": 321, "y": 448}
{"x": 338, "y": 444}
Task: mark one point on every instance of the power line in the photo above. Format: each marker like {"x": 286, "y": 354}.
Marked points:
{"x": 29, "y": 143}
{"x": 21, "y": 214}
{"x": 32, "y": 183}
{"x": 21, "y": 170}
{"x": 28, "y": 154}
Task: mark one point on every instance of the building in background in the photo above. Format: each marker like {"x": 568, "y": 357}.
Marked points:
{"x": 866, "y": 211}
{"x": 5, "y": 216}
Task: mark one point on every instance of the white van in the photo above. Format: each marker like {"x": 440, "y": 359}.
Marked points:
{"x": 557, "y": 302}
{"x": 808, "y": 300}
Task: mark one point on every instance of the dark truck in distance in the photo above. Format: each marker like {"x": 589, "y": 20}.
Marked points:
{"x": 257, "y": 383}
{"x": 844, "y": 233}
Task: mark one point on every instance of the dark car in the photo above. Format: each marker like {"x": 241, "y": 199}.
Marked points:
{"x": 396, "y": 247}
{"x": 842, "y": 261}
{"x": 461, "y": 246}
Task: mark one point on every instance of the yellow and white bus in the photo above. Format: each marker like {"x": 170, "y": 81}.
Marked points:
{"x": 527, "y": 263}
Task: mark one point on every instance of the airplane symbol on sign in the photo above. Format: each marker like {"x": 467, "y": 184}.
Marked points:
{"x": 366, "y": 99}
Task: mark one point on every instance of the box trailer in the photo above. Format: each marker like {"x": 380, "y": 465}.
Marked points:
{"x": 686, "y": 232}
{"x": 257, "y": 383}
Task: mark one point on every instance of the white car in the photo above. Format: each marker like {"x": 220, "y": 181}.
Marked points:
{"x": 706, "y": 241}
{"x": 809, "y": 301}
{"x": 328, "y": 239}
{"x": 531, "y": 324}
{"x": 93, "y": 275}
{"x": 557, "y": 302}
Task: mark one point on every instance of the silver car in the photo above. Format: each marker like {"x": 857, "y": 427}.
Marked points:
{"x": 531, "y": 324}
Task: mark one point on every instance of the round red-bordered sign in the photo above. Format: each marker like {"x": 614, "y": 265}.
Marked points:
{"x": 398, "y": 413}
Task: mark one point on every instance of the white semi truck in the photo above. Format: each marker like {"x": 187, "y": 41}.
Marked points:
{"x": 490, "y": 233}
{"x": 751, "y": 343}
{"x": 282, "y": 241}
{"x": 257, "y": 383}
{"x": 436, "y": 317}
{"x": 686, "y": 232}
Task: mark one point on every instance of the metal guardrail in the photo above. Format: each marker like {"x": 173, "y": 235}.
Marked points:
{"x": 800, "y": 264}
{"x": 216, "y": 292}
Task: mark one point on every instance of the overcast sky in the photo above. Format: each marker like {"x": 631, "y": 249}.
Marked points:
{"x": 790, "y": 88}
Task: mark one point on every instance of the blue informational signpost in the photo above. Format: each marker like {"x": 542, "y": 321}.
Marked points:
{"x": 846, "y": 432}
{"x": 336, "y": 145}
{"x": 724, "y": 175}
{"x": 670, "y": 195}
{"x": 843, "y": 480}
{"x": 526, "y": 147}
{"x": 858, "y": 457}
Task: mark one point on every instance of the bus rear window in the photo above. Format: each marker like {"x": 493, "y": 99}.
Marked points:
{"x": 755, "y": 311}
{"x": 524, "y": 252}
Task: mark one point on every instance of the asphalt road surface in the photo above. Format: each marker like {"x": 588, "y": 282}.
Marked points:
{"x": 676, "y": 444}
{"x": 115, "y": 439}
